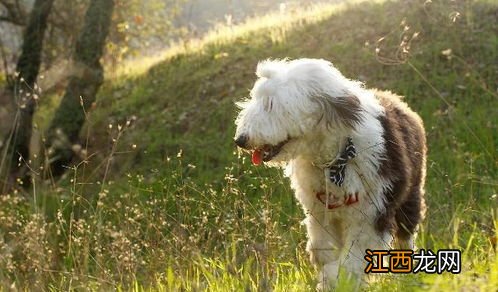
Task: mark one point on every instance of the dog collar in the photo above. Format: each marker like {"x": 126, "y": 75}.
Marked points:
{"x": 335, "y": 171}
{"x": 332, "y": 204}
{"x": 337, "y": 168}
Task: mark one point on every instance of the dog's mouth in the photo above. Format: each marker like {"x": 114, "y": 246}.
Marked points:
{"x": 266, "y": 152}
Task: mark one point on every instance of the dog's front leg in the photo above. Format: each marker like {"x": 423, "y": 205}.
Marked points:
{"x": 324, "y": 247}
{"x": 361, "y": 235}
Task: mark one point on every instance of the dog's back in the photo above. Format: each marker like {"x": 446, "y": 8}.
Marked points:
{"x": 404, "y": 165}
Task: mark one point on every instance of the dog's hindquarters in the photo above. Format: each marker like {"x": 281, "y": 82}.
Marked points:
{"x": 403, "y": 165}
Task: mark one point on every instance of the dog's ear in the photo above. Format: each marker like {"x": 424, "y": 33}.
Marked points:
{"x": 342, "y": 110}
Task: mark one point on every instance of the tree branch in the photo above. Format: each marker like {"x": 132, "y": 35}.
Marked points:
{"x": 16, "y": 13}
{"x": 15, "y": 21}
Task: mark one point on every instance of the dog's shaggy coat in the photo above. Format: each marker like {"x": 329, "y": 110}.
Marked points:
{"x": 300, "y": 116}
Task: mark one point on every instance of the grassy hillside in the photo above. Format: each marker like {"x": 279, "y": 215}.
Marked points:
{"x": 164, "y": 202}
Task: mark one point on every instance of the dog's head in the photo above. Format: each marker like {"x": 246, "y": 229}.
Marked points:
{"x": 291, "y": 103}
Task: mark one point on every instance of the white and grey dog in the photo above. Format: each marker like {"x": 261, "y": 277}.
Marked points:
{"x": 355, "y": 158}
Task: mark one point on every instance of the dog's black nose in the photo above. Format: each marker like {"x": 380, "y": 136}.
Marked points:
{"x": 241, "y": 141}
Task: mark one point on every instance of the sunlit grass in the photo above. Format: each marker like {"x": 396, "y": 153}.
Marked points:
{"x": 276, "y": 23}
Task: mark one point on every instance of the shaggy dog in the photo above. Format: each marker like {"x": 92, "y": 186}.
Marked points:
{"x": 355, "y": 158}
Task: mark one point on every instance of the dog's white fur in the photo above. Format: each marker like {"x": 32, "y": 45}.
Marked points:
{"x": 285, "y": 103}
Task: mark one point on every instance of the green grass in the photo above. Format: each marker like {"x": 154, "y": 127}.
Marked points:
{"x": 165, "y": 202}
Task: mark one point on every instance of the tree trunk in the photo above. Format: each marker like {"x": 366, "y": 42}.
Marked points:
{"x": 14, "y": 158}
{"x": 84, "y": 83}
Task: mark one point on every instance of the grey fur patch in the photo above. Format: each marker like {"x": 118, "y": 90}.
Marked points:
{"x": 341, "y": 110}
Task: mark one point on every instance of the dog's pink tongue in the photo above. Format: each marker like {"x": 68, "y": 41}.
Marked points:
{"x": 257, "y": 158}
